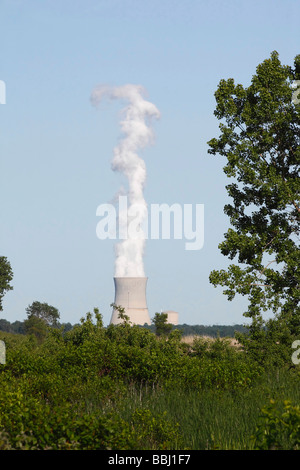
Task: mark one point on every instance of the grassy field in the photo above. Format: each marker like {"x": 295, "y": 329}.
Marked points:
{"x": 124, "y": 388}
{"x": 211, "y": 419}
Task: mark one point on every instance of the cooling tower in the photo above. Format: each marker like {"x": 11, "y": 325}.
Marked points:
{"x": 172, "y": 317}
{"x": 130, "y": 293}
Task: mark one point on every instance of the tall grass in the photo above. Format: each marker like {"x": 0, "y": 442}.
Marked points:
{"x": 211, "y": 419}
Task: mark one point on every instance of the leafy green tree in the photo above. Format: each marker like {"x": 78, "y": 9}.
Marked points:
{"x": 5, "y": 325}
{"x": 260, "y": 139}
{"x": 6, "y": 276}
{"x": 36, "y": 326}
{"x": 17, "y": 327}
{"x": 122, "y": 315}
{"x": 43, "y": 311}
{"x": 161, "y": 326}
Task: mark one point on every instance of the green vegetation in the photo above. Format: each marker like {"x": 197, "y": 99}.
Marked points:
{"x": 6, "y": 276}
{"x": 161, "y": 325}
{"x": 214, "y": 331}
{"x": 120, "y": 387}
{"x": 260, "y": 140}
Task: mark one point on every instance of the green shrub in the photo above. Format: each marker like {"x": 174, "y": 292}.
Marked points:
{"x": 155, "y": 432}
{"x": 29, "y": 423}
{"x": 279, "y": 427}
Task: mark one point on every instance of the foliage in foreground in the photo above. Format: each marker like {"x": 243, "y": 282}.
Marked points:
{"x": 119, "y": 388}
{"x": 31, "y": 423}
{"x": 6, "y": 276}
{"x": 260, "y": 140}
{"x": 279, "y": 428}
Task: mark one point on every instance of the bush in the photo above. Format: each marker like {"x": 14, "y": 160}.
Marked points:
{"x": 153, "y": 432}
{"x": 29, "y": 422}
{"x": 279, "y": 427}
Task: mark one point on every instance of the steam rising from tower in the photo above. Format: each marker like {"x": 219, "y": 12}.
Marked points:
{"x": 137, "y": 135}
{"x": 129, "y": 252}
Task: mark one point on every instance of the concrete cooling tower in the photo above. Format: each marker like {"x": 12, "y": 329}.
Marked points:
{"x": 130, "y": 293}
{"x": 172, "y": 317}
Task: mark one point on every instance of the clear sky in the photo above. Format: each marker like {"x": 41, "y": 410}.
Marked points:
{"x": 56, "y": 148}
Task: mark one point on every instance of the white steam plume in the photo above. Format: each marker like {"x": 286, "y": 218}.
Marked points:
{"x": 137, "y": 134}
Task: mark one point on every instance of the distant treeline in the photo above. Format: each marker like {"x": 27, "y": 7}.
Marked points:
{"x": 213, "y": 330}
{"x": 19, "y": 326}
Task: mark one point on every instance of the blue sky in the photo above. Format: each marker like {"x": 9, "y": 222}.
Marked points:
{"x": 56, "y": 149}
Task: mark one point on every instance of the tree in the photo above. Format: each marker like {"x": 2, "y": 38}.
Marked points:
{"x": 6, "y": 276}
{"x": 122, "y": 315}
{"x": 5, "y": 325}
{"x": 162, "y": 328}
{"x": 43, "y": 311}
{"x": 260, "y": 138}
{"x": 36, "y": 326}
